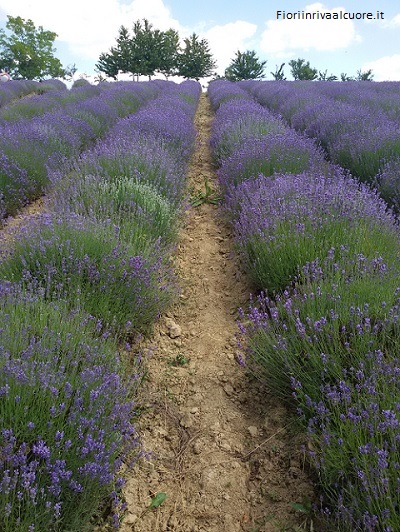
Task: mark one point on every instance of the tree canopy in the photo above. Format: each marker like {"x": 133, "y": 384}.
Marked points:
{"x": 195, "y": 61}
{"x": 27, "y": 52}
{"x": 137, "y": 54}
{"x": 361, "y": 76}
{"x": 302, "y": 71}
{"x": 279, "y": 74}
{"x": 245, "y": 65}
{"x": 149, "y": 50}
{"x": 323, "y": 76}
{"x": 169, "y": 53}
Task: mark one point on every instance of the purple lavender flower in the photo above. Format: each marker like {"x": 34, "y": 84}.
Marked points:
{"x": 61, "y": 471}
{"x": 285, "y": 221}
{"x": 221, "y": 91}
{"x": 282, "y": 152}
{"x": 76, "y": 258}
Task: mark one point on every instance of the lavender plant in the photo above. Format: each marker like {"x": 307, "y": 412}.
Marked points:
{"x": 353, "y": 430}
{"x": 221, "y": 91}
{"x": 366, "y": 153}
{"x": 166, "y": 122}
{"x": 15, "y": 89}
{"x": 95, "y": 267}
{"x": 354, "y": 131}
{"x": 68, "y": 134}
{"x": 98, "y": 114}
{"x": 328, "y": 342}
{"x": 52, "y": 84}
{"x": 284, "y": 152}
{"x": 27, "y": 108}
{"x": 66, "y": 416}
{"x": 40, "y": 146}
{"x": 288, "y": 220}
{"x": 330, "y": 345}
{"x": 29, "y": 147}
{"x": 128, "y": 153}
{"x": 85, "y": 263}
{"x": 239, "y": 123}
{"x": 338, "y": 310}
{"x": 387, "y": 182}
{"x": 127, "y": 97}
{"x": 15, "y": 187}
{"x": 142, "y": 215}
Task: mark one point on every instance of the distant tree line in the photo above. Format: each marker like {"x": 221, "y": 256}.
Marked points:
{"x": 246, "y": 65}
{"x": 27, "y": 52}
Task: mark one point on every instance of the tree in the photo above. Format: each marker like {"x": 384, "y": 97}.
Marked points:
{"x": 148, "y": 50}
{"x": 345, "y": 77}
{"x": 245, "y": 66}
{"x": 70, "y": 71}
{"x": 361, "y": 76}
{"x": 364, "y": 76}
{"x": 109, "y": 63}
{"x": 169, "y": 53}
{"x": 121, "y": 57}
{"x": 146, "y": 45}
{"x": 195, "y": 61}
{"x": 27, "y": 52}
{"x": 279, "y": 75}
{"x": 302, "y": 70}
{"x": 323, "y": 76}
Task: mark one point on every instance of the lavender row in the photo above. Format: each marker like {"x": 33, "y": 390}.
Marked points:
{"x": 111, "y": 220}
{"x": 30, "y": 149}
{"x": 90, "y": 272}
{"x": 331, "y": 348}
{"x": 381, "y": 98}
{"x": 283, "y": 198}
{"x": 323, "y": 252}
{"x": 47, "y": 96}
{"x": 66, "y": 415}
{"x": 358, "y": 124}
{"x": 15, "y": 89}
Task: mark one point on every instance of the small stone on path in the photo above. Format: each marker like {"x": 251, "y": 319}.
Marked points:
{"x": 253, "y": 431}
{"x": 173, "y": 329}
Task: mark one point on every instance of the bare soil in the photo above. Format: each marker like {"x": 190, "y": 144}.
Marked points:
{"x": 222, "y": 449}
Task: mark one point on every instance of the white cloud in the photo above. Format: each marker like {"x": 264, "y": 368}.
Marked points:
{"x": 393, "y": 22}
{"x": 386, "y": 68}
{"x": 283, "y": 37}
{"x": 89, "y": 27}
{"x": 225, "y": 40}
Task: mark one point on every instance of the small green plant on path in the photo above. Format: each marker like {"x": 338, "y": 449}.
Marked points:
{"x": 156, "y": 501}
{"x": 305, "y": 508}
{"x": 209, "y": 195}
{"x": 179, "y": 360}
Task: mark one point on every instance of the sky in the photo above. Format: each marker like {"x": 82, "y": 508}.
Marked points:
{"x": 86, "y": 28}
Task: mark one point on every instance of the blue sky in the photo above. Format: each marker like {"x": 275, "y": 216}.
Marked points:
{"x": 86, "y": 28}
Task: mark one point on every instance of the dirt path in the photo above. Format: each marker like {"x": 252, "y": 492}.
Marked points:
{"x": 202, "y": 418}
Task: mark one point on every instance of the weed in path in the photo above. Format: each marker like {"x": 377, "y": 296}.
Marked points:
{"x": 209, "y": 195}
{"x": 179, "y": 360}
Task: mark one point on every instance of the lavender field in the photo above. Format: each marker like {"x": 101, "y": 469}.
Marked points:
{"x": 309, "y": 173}
{"x": 308, "y": 183}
